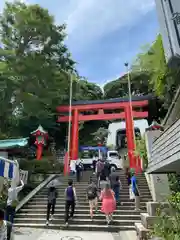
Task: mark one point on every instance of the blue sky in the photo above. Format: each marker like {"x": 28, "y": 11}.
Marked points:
{"x": 101, "y": 37}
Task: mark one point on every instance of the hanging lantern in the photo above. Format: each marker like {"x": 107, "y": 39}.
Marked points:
{"x": 41, "y": 140}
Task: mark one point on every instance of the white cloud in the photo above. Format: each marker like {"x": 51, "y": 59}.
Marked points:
{"x": 89, "y": 20}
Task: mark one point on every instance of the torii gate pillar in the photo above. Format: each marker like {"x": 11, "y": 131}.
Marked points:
{"x": 130, "y": 135}
{"x": 75, "y": 136}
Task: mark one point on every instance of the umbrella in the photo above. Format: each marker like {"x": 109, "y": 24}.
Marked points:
{"x": 54, "y": 183}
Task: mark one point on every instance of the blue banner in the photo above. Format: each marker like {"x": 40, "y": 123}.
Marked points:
{"x": 90, "y": 148}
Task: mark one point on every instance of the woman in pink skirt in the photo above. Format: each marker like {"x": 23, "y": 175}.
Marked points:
{"x": 108, "y": 202}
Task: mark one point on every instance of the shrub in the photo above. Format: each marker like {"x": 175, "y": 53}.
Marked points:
{"x": 168, "y": 224}
{"x": 26, "y": 190}
{"x": 174, "y": 182}
{"x": 42, "y": 166}
{"x": 141, "y": 151}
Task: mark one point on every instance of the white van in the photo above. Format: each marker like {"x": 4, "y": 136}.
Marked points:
{"x": 112, "y": 157}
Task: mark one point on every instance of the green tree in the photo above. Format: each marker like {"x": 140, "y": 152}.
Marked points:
{"x": 163, "y": 79}
{"x": 33, "y": 64}
{"x": 153, "y": 62}
{"x": 119, "y": 88}
{"x": 87, "y": 91}
{"x": 100, "y": 136}
{"x": 35, "y": 69}
{"x": 141, "y": 151}
{"x": 37, "y": 56}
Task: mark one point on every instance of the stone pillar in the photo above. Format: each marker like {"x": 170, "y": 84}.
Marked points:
{"x": 158, "y": 183}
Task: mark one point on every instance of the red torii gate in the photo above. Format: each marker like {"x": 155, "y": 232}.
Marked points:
{"x": 123, "y": 104}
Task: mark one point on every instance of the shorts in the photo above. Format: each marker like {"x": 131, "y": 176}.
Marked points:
{"x": 93, "y": 202}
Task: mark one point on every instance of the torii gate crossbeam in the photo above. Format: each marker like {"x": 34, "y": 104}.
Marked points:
{"x": 79, "y": 107}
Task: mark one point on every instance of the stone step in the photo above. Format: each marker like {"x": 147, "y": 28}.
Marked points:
{"x": 86, "y": 181}
{"x": 98, "y": 216}
{"x": 81, "y": 201}
{"x": 33, "y": 214}
{"x": 85, "y": 178}
{"x": 92, "y": 227}
{"x": 77, "y": 221}
{"x": 80, "y": 185}
{"x": 80, "y": 189}
{"x": 77, "y": 211}
{"x": 85, "y": 207}
{"x": 83, "y": 196}
{"x": 83, "y": 192}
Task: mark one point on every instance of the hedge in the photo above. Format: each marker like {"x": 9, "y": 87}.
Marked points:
{"x": 41, "y": 166}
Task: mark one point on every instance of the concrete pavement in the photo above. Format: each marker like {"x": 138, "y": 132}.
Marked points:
{"x": 41, "y": 234}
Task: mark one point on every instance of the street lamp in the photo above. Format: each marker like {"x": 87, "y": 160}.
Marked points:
{"x": 70, "y": 118}
{"x": 129, "y": 86}
{"x": 130, "y": 96}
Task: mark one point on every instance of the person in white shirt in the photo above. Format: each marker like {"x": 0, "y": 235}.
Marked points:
{"x": 12, "y": 202}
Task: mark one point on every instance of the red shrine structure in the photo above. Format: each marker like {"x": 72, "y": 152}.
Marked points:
{"x": 98, "y": 110}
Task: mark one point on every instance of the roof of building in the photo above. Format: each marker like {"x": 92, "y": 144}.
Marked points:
{"x": 112, "y": 100}
{"x": 13, "y": 143}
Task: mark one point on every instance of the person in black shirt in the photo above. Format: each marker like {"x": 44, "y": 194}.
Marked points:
{"x": 78, "y": 171}
{"x": 115, "y": 185}
{"x": 94, "y": 165}
{"x": 52, "y": 196}
{"x": 128, "y": 176}
{"x": 107, "y": 169}
{"x": 103, "y": 179}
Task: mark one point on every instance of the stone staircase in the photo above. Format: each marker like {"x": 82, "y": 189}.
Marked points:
{"x": 33, "y": 214}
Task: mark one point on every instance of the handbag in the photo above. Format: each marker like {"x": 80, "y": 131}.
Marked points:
{"x": 131, "y": 193}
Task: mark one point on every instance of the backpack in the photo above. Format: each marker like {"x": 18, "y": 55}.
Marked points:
{"x": 100, "y": 167}
{"x": 51, "y": 196}
{"x": 91, "y": 193}
{"x": 103, "y": 175}
{"x": 69, "y": 193}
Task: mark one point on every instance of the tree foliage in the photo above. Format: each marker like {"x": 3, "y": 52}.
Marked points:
{"x": 168, "y": 223}
{"x": 149, "y": 74}
{"x": 35, "y": 70}
{"x": 142, "y": 151}
{"x": 100, "y": 136}
{"x": 36, "y": 67}
{"x": 119, "y": 88}
{"x": 32, "y": 58}
{"x": 153, "y": 63}
{"x": 163, "y": 79}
